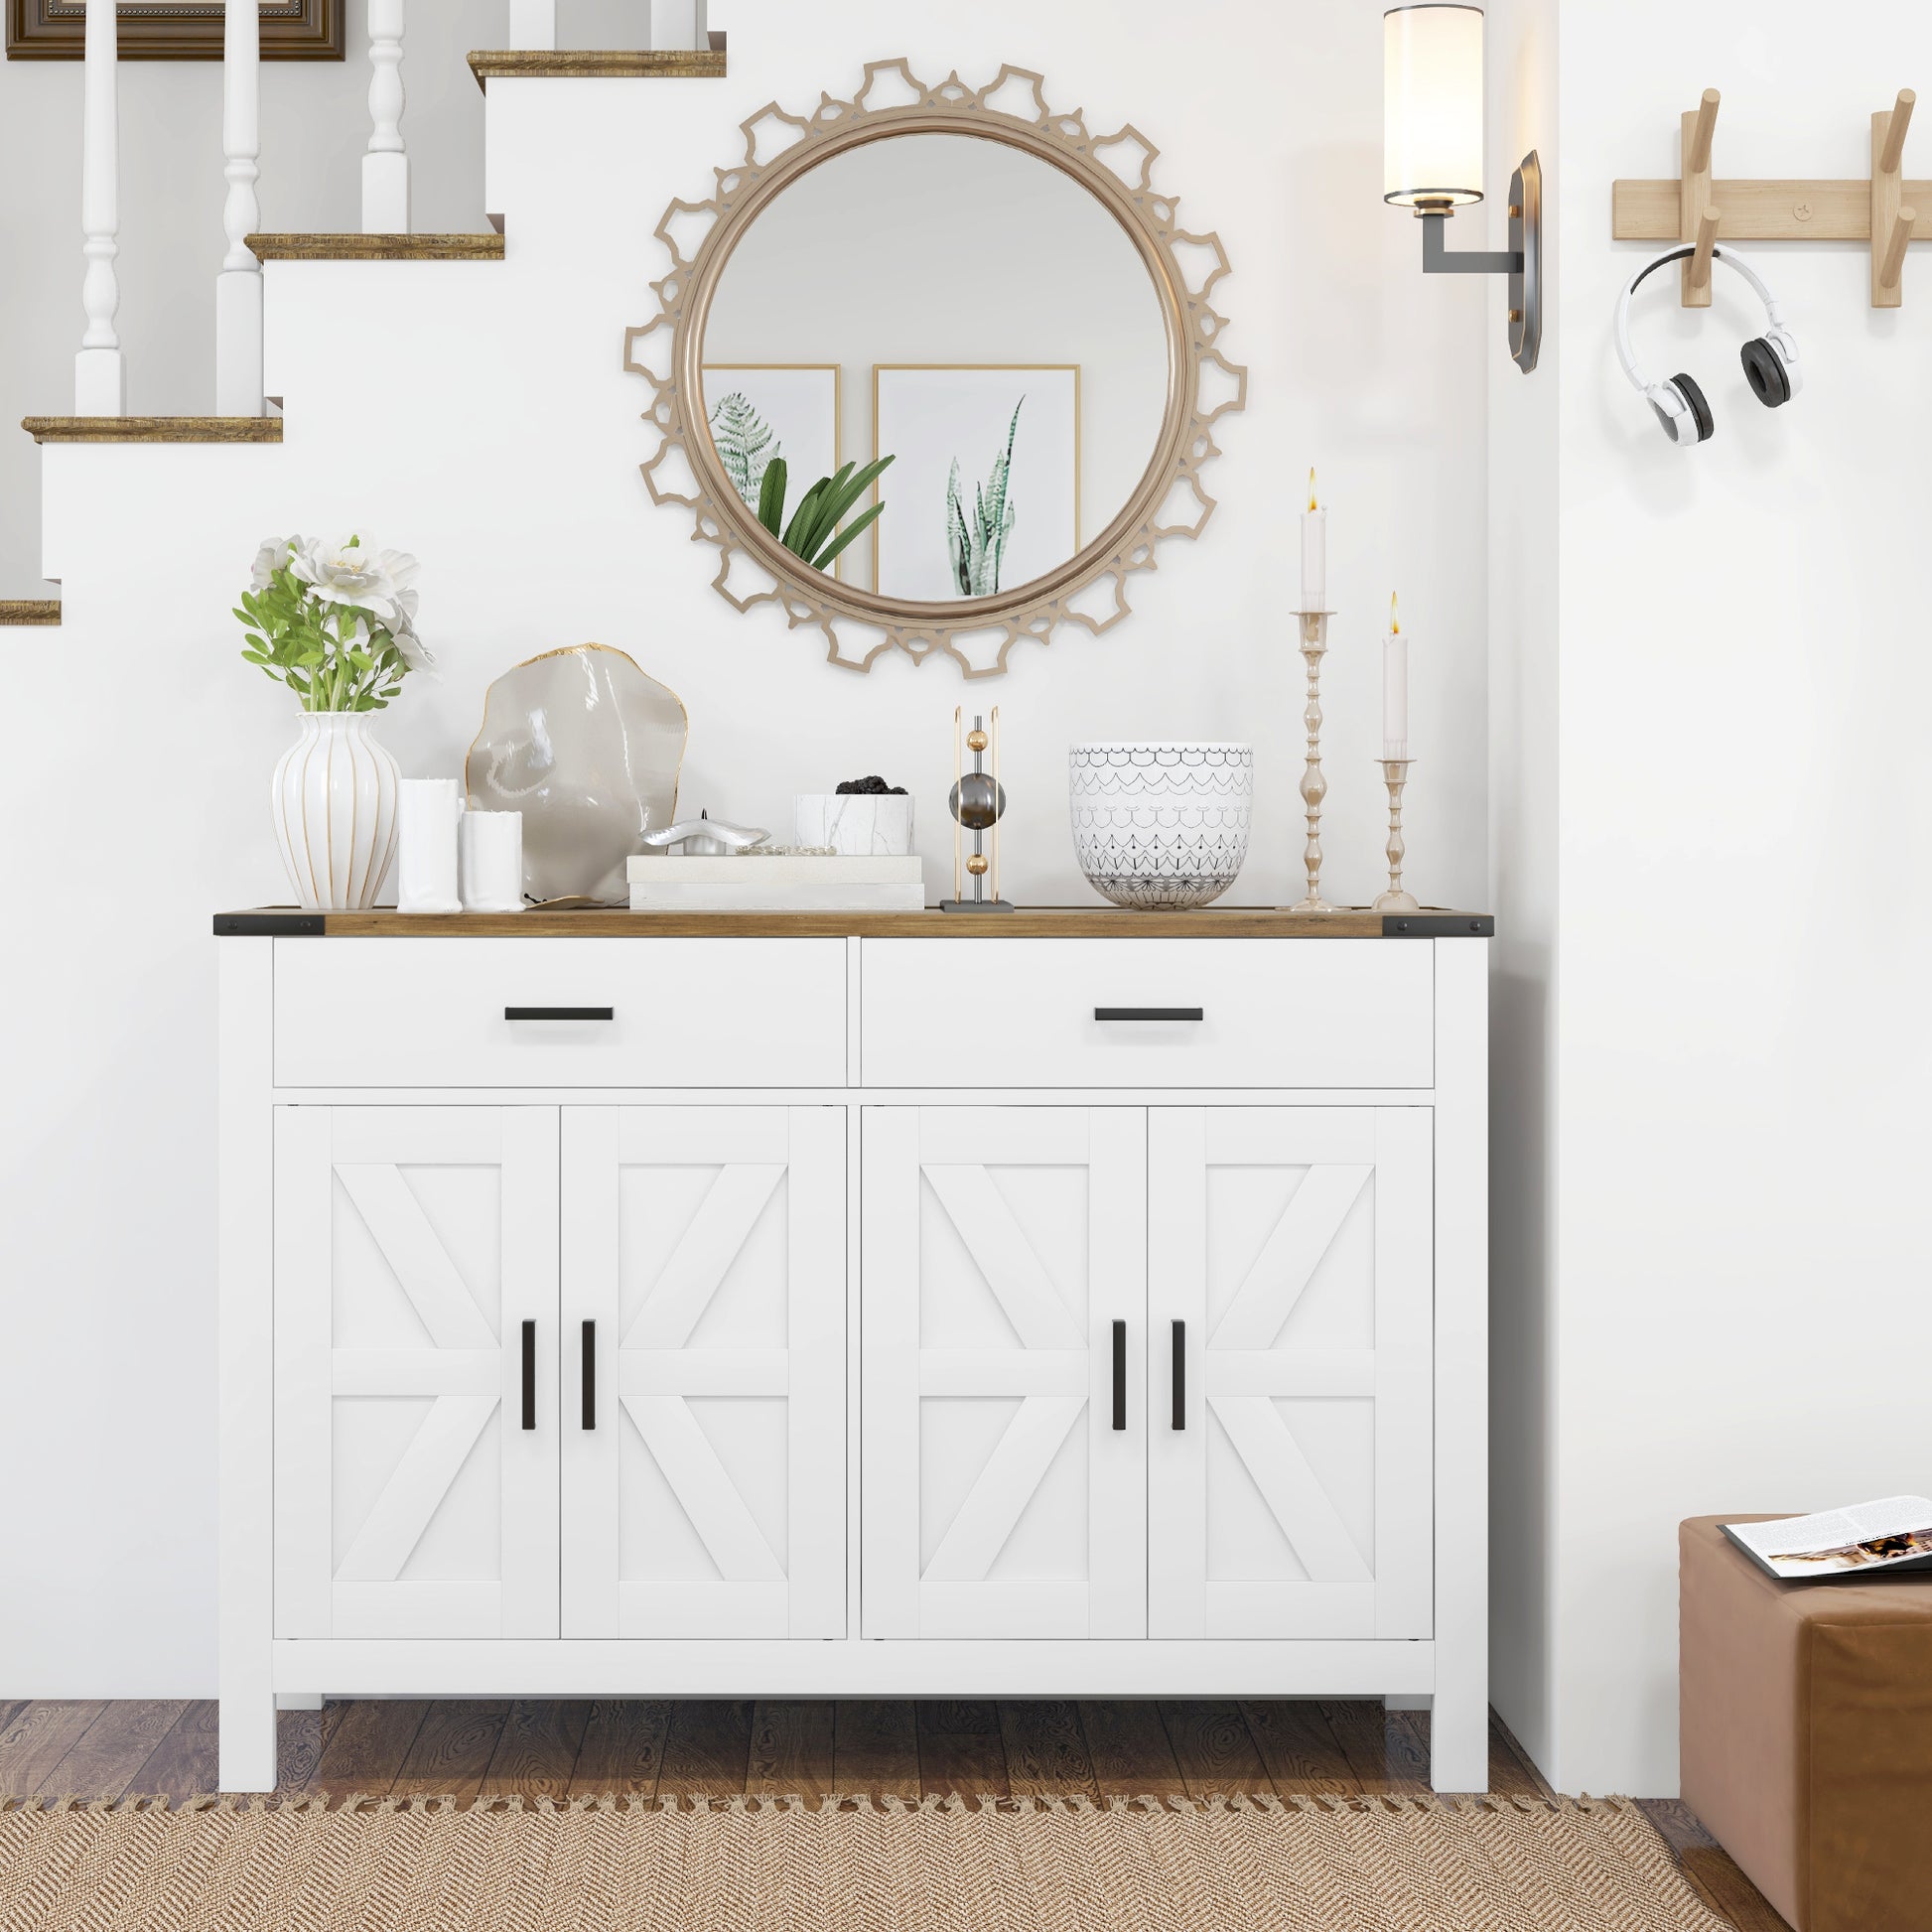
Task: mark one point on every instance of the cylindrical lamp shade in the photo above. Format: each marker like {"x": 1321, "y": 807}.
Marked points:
{"x": 1431, "y": 105}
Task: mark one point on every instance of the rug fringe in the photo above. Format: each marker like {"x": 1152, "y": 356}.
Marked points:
{"x": 1077, "y": 1803}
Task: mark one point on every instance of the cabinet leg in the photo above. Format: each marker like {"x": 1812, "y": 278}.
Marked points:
{"x": 1459, "y": 1737}
{"x": 246, "y": 1741}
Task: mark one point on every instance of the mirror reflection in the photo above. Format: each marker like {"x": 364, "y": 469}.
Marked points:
{"x": 935, "y": 366}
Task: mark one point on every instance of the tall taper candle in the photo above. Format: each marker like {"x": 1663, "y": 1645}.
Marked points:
{"x": 1395, "y": 688}
{"x": 1315, "y": 554}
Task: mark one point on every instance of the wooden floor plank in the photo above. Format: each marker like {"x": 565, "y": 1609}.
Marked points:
{"x": 963, "y": 1764}
{"x": 708, "y": 1748}
{"x": 876, "y": 1747}
{"x": 623, "y": 1747}
{"x": 1500, "y": 1733}
{"x": 1709, "y": 1869}
{"x": 792, "y": 1741}
{"x": 1382, "y": 1749}
{"x": 1133, "y": 1756}
{"x": 39, "y": 1734}
{"x": 453, "y": 1751}
{"x": 1299, "y": 1748}
{"x": 536, "y": 1752}
{"x": 368, "y": 1747}
{"x": 108, "y": 1753}
{"x": 1212, "y": 1747}
{"x": 958, "y": 1717}
{"x": 182, "y": 1764}
{"x": 1047, "y": 1750}
{"x": 301, "y": 1737}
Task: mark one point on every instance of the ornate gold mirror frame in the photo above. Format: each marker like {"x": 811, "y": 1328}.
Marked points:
{"x": 1088, "y": 590}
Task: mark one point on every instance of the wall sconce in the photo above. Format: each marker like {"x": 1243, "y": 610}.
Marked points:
{"x": 1432, "y": 157}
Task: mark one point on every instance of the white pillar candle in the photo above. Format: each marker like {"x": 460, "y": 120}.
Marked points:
{"x": 490, "y": 846}
{"x": 426, "y": 874}
{"x": 1315, "y": 554}
{"x": 1395, "y": 688}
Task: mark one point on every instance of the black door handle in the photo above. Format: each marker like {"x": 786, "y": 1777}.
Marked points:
{"x": 1180, "y": 1375}
{"x": 530, "y": 1375}
{"x": 589, "y": 1375}
{"x": 1120, "y": 1375}
{"x": 1149, "y": 1013}
{"x": 559, "y": 1012}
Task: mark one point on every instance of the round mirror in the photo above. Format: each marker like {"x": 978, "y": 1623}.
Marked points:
{"x": 940, "y": 368}
{"x": 961, "y": 333}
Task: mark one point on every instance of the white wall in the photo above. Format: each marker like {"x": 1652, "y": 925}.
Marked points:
{"x": 1734, "y": 1190}
{"x": 1523, "y": 817}
{"x": 478, "y": 414}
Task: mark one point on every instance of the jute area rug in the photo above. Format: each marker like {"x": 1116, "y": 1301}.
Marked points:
{"x": 742, "y": 1864}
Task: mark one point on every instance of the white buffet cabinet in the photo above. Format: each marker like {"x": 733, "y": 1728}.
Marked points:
{"x": 1080, "y": 1304}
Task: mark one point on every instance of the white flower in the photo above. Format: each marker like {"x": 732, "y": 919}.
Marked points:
{"x": 402, "y": 634}
{"x": 351, "y": 571}
{"x": 270, "y": 558}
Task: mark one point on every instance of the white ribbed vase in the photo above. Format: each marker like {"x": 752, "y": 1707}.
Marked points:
{"x": 335, "y": 803}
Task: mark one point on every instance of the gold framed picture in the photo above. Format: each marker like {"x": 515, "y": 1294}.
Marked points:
{"x": 962, "y": 435}
{"x": 760, "y": 410}
{"x": 174, "y": 30}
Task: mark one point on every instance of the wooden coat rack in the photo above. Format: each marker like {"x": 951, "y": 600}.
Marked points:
{"x": 1699, "y": 211}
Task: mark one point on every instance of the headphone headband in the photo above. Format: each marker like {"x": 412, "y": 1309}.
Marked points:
{"x": 1730, "y": 259}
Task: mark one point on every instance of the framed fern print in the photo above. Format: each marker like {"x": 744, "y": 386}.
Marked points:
{"x": 984, "y": 493}
{"x": 759, "y": 410}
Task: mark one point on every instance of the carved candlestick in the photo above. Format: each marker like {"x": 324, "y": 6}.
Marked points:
{"x": 1314, "y": 788}
{"x": 1395, "y": 774}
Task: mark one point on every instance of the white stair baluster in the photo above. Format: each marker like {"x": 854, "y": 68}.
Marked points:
{"x": 239, "y": 288}
{"x": 534, "y": 24}
{"x": 385, "y": 166}
{"x": 678, "y": 23}
{"x": 99, "y": 374}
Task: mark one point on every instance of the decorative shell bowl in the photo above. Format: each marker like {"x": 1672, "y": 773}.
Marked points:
{"x": 1161, "y": 826}
{"x": 587, "y": 748}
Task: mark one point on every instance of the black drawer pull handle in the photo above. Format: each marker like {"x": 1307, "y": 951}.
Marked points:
{"x": 530, "y": 1375}
{"x": 1120, "y": 1375}
{"x": 589, "y": 1375}
{"x": 1180, "y": 1375}
{"x": 1149, "y": 1013}
{"x": 559, "y": 1012}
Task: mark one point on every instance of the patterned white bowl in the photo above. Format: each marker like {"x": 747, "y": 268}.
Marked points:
{"x": 1161, "y": 827}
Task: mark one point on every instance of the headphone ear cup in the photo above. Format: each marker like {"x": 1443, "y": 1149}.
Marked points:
{"x": 1764, "y": 370}
{"x": 1700, "y": 409}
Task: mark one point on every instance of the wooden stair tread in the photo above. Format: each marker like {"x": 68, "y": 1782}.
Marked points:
{"x": 485, "y": 247}
{"x": 598, "y": 64}
{"x": 30, "y": 610}
{"x": 153, "y": 429}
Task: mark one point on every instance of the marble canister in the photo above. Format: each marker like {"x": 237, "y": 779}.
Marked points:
{"x": 855, "y": 824}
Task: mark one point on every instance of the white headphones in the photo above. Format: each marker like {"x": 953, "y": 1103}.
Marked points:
{"x": 1770, "y": 359}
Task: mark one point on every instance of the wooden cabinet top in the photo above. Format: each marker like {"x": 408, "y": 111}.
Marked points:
{"x": 1030, "y": 922}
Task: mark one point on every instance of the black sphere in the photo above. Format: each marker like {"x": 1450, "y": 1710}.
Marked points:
{"x": 976, "y": 801}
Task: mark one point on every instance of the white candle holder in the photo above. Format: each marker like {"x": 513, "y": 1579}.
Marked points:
{"x": 1314, "y": 788}
{"x": 1395, "y": 774}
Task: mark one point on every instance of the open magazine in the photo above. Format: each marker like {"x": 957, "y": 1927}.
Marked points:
{"x": 1894, "y": 1533}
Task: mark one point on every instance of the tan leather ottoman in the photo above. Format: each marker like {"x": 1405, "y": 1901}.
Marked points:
{"x": 1806, "y": 1747}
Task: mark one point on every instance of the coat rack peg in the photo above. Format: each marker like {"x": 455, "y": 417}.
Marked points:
{"x": 1700, "y": 125}
{"x": 1699, "y": 266}
{"x": 1888, "y": 240}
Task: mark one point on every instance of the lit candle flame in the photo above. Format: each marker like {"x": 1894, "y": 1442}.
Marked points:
{"x": 1311, "y": 502}
{"x": 1394, "y": 626}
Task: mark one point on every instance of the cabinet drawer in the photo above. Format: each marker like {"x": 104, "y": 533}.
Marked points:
{"x": 1274, "y": 1012}
{"x": 684, "y": 1012}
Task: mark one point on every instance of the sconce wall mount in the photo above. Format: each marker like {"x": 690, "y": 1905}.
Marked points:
{"x": 1520, "y": 261}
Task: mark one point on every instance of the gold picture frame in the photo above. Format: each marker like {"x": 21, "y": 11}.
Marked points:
{"x": 838, "y": 413}
{"x": 155, "y": 29}
{"x": 1054, "y": 368}
{"x": 1089, "y": 591}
